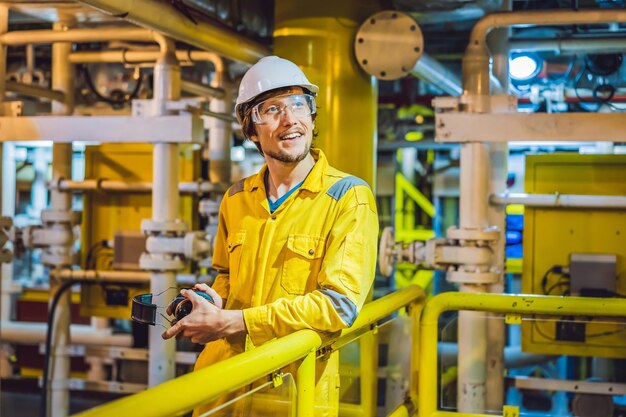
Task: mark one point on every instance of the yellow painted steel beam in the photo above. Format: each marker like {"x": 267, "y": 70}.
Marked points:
{"x": 495, "y": 303}
{"x": 404, "y": 186}
{"x": 153, "y": 14}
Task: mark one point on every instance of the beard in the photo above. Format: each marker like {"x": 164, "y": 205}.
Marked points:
{"x": 286, "y": 158}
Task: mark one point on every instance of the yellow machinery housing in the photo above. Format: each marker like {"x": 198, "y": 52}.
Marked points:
{"x": 106, "y": 214}
{"x": 552, "y": 234}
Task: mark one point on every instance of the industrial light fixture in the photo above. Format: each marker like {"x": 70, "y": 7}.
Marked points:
{"x": 524, "y": 67}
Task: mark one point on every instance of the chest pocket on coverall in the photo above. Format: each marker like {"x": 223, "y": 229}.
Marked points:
{"x": 235, "y": 246}
{"x": 303, "y": 257}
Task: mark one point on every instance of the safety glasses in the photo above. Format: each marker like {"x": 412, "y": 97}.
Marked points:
{"x": 270, "y": 110}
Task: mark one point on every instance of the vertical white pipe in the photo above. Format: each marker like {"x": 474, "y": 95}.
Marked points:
{"x": 472, "y": 333}
{"x": 220, "y": 131}
{"x": 38, "y": 192}
{"x": 96, "y": 371}
{"x": 161, "y": 356}
{"x": 498, "y": 155}
{"x": 7, "y": 194}
{"x": 62, "y": 80}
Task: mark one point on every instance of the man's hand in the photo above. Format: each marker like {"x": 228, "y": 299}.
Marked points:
{"x": 217, "y": 300}
{"x": 206, "y": 322}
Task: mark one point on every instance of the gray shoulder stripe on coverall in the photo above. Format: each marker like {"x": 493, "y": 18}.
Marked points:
{"x": 341, "y": 187}
{"x": 236, "y": 188}
{"x": 342, "y": 304}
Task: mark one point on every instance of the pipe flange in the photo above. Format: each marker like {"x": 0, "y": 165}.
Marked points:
{"x": 489, "y": 234}
{"x": 61, "y": 216}
{"x": 157, "y": 262}
{"x": 388, "y": 45}
{"x": 152, "y": 227}
{"x": 52, "y": 259}
{"x": 386, "y": 252}
{"x": 6, "y": 256}
{"x": 6, "y": 222}
{"x": 465, "y": 277}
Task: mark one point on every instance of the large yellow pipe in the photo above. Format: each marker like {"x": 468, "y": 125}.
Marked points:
{"x": 495, "y": 303}
{"x": 319, "y": 37}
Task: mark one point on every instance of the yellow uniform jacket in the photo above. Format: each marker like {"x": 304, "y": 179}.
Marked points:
{"x": 308, "y": 265}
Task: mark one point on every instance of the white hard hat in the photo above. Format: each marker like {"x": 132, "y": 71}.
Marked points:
{"x": 267, "y": 74}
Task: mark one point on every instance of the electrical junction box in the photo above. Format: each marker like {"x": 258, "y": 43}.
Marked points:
{"x": 592, "y": 275}
{"x": 591, "y": 242}
{"x": 117, "y": 216}
{"x": 128, "y": 245}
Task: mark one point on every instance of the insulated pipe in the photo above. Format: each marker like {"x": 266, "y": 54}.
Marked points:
{"x": 162, "y": 353}
{"x": 431, "y": 71}
{"x": 570, "y": 46}
{"x": 62, "y": 80}
{"x": 560, "y": 200}
{"x": 34, "y": 333}
{"x": 154, "y": 15}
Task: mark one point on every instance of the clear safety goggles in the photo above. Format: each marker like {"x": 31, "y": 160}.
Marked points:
{"x": 270, "y": 110}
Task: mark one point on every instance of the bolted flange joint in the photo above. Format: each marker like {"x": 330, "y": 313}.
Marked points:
{"x": 472, "y": 250}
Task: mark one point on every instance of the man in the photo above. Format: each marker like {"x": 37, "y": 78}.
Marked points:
{"x": 296, "y": 243}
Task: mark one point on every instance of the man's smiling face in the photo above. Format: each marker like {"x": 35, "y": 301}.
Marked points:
{"x": 287, "y": 138}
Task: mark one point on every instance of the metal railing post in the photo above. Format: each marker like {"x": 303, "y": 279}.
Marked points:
{"x": 305, "y": 386}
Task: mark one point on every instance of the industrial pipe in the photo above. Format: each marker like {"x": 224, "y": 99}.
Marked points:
{"x": 542, "y": 18}
{"x": 103, "y": 276}
{"x": 197, "y": 187}
{"x": 496, "y": 217}
{"x": 24, "y": 37}
{"x": 475, "y": 163}
{"x": 165, "y": 198}
{"x": 570, "y": 46}
{"x": 62, "y": 80}
{"x": 202, "y": 90}
{"x": 513, "y": 356}
{"x": 220, "y": 129}
{"x": 431, "y": 71}
{"x": 560, "y": 200}
{"x": 34, "y": 333}
{"x": 154, "y": 15}
{"x": 34, "y": 91}
{"x": 136, "y": 57}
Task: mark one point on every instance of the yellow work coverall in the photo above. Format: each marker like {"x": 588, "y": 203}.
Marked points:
{"x": 308, "y": 265}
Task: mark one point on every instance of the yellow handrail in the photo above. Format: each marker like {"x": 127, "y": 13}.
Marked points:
{"x": 180, "y": 395}
{"x": 495, "y": 303}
